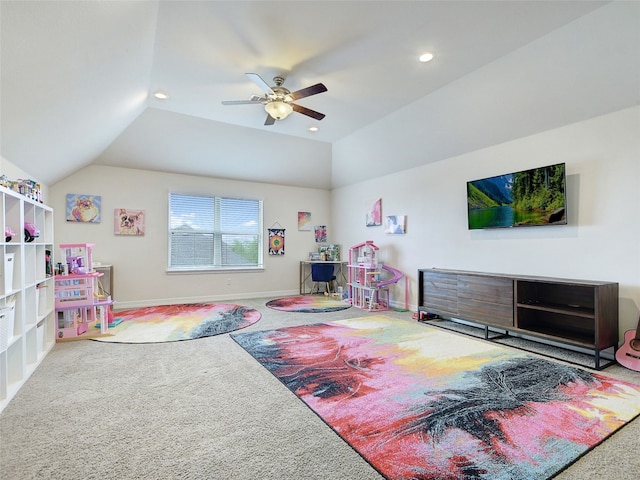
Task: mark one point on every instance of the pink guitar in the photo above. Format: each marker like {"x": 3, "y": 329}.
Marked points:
{"x": 628, "y": 355}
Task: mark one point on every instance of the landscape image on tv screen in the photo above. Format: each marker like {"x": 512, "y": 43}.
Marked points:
{"x": 520, "y": 199}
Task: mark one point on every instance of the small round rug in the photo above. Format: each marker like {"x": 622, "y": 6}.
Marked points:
{"x": 172, "y": 323}
{"x": 308, "y": 304}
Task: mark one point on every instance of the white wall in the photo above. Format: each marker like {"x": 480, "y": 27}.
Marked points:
{"x": 140, "y": 263}
{"x": 601, "y": 242}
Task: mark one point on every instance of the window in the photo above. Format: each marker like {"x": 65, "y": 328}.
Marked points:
{"x": 214, "y": 233}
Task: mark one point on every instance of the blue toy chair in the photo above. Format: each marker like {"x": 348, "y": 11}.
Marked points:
{"x": 322, "y": 273}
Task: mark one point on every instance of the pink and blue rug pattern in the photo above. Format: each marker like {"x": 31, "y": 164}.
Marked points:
{"x": 309, "y": 304}
{"x": 171, "y": 323}
{"x": 421, "y": 403}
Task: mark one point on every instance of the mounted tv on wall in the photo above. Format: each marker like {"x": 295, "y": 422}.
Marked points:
{"x": 520, "y": 199}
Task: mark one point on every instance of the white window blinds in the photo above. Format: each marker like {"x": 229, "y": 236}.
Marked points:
{"x": 208, "y": 233}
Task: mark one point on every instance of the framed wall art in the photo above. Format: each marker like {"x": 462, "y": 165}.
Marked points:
{"x": 83, "y": 208}
{"x": 128, "y": 222}
{"x": 395, "y": 224}
{"x": 276, "y": 241}
{"x": 304, "y": 221}
{"x": 374, "y": 213}
{"x": 321, "y": 233}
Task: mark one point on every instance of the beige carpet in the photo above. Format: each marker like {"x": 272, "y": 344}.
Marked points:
{"x": 202, "y": 409}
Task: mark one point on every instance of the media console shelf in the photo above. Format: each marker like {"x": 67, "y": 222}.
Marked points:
{"x": 580, "y": 313}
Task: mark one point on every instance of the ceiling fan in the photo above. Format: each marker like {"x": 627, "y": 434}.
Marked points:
{"x": 278, "y": 101}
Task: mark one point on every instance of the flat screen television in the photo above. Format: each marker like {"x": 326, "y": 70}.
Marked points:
{"x": 519, "y": 199}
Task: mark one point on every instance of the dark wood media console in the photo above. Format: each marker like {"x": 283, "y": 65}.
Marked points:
{"x": 581, "y": 313}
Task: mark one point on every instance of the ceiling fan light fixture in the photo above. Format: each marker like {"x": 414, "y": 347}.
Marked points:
{"x": 278, "y": 109}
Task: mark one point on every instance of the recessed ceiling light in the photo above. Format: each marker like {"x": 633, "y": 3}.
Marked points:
{"x": 426, "y": 57}
{"x": 161, "y": 95}
{"x": 313, "y": 129}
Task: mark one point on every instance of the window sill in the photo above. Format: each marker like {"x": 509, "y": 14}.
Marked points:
{"x": 200, "y": 271}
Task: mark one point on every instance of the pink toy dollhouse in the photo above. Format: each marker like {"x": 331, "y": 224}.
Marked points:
{"x": 75, "y": 292}
{"x": 367, "y": 287}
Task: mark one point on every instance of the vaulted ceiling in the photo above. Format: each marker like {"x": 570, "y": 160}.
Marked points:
{"x": 77, "y": 78}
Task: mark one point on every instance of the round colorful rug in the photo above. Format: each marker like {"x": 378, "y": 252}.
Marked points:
{"x": 172, "y": 323}
{"x": 308, "y": 304}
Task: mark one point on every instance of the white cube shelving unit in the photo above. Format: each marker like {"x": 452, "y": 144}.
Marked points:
{"x": 26, "y": 292}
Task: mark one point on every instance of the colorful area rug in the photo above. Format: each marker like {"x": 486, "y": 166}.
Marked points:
{"x": 309, "y": 304}
{"x": 421, "y": 403}
{"x": 171, "y": 323}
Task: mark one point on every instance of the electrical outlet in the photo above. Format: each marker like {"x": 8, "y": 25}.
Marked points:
{"x": 228, "y": 281}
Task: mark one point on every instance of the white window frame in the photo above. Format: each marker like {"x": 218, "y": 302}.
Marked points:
{"x": 213, "y": 229}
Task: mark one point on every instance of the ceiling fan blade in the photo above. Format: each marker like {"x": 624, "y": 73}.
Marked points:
{"x": 307, "y": 92}
{"x": 264, "y": 86}
{"x": 241, "y": 102}
{"x": 269, "y": 120}
{"x": 307, "y": 111}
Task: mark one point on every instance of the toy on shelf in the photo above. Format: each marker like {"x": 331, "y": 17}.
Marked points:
{"x": 27, "y": 187}
{"x": 8, "y": 233}
{"x": 31, "y": 232}
{"x": 369, "y": 279}
{"x": 76, "y": 258}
